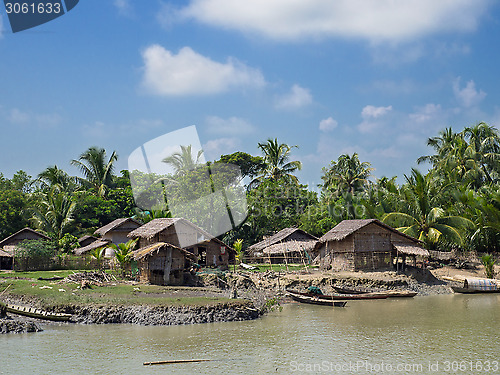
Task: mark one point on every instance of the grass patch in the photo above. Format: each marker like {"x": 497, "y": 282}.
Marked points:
{"x": 57, "y": 293}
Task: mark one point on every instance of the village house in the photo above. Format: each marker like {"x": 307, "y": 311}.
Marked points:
{"x": 366, "y": 245}
{"x": 289, "y": 245}
{"x": 113, "y": 233}
{"x": 163, "y": 263}
{"x": 179, "y": 232}
{"x": 8, "y": 245}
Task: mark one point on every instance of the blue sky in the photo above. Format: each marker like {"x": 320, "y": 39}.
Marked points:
{"x": 373, "y": 77}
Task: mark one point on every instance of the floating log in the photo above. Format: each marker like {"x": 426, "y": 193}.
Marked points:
{"x": 173, "y": 361}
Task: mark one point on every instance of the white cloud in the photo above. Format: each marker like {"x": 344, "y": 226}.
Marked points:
{"x": 298, "y": 97}
{"x": 214, "y": 148}
{"x": 19, "y": 117}
{"x": 189, "y": 73}
{"x": 427, "y": 113}
{"x": 468, "y": 96}
{"x": 124, "y": 7}
{"x": 382, "y": 20}
{"x": 42, "y": 120}
{"x": 328, "y": 124}
{"x": 371, "y": 111}
{"x": 231, "y": 125}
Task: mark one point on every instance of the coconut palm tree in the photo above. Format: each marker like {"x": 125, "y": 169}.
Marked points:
{"x": 52, "y": 176}
{"x": 54, "y": 212}
{"x": 347, "y": 174}
{"x": 184, "y": 161}
{"x": 97, "y": 171}
{"x": 422, "y": 217}
{"x": 277, "y": 163}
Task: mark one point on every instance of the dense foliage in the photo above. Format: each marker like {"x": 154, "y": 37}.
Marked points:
{"x": 454, "y": 205}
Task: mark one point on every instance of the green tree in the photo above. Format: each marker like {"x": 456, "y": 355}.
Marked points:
{"x": 13, "y": 207}
{"x": 54, "y": 213}
{"x": 97, "y": 171}
{"x": 421, "y": 217}
{"x": 489, "y": 265}
{"x": 184, "y": 161}
{"x": 123, "y": 253}
{"x": 346, "y": 175}
{"x": 277, "y": 163}
{"x": 54, "y": 176}
{"x": 250, "y": 166}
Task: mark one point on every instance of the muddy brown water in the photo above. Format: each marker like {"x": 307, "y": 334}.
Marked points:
{"x": 455, "y": 334}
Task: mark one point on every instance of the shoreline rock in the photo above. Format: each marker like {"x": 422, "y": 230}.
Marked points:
{"x": 162, "y": 315}
{"x": 13, "y": 325}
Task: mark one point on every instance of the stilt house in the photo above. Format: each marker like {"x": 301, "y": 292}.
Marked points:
{"x": 365, "y": 245}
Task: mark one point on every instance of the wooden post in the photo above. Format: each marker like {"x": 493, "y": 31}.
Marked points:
{"x": 168, "y": 266}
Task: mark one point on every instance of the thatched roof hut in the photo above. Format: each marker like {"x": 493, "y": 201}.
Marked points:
{"x": 365, "y": 245}
{"x": 163, "y": 263}
{"x": 86, "y": 240}
{"x": 123, "y": 225}
{"x": 290, "y": 245}
{"x": 8, "y": 244}
{"x": 94, "y": 245}
{"x": 185, "y": 235}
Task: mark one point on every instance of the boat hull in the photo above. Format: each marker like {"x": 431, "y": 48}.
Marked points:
{"x": 316, "y": 301}
{"x": 341, "y": 297}
{"x": 389, "y": 293}
{"x": 462, "y": 290}
{"x": 37, "y": 314}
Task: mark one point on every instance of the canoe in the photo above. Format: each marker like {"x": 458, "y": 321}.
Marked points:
{"x": 37, "y": 314}
{"x": 458, "y": 289}
{"x": 388, "y": 293}
{"x": 314, "y": 300}
{"x": 339, "y": 296}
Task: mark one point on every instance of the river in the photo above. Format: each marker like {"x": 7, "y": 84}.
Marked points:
{"x": 456, "y": 334}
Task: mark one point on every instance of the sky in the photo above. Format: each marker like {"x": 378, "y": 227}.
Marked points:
{"x": 373, "y": 77}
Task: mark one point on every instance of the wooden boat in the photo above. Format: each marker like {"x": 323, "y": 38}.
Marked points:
{"x": 37, "y": 314}
{"x": 338, "y": 296}
{"x": 473, "y": 286}
{"x": 388, "y": 293}
{"x": 458, "y": 289}
{"x": 314, "y": 300}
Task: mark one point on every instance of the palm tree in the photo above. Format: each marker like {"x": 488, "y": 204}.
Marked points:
{"x": 347, "y": 174}
{"x": 184, "y": 161}
{"x": 54, "y": 212}
{"x": 52, "y": 176}
{"x": 277, "y": 163}
{"x": 421, "y": 217}
{"x": 97, "y": 171}
{"x": 484, "y": 145}
{"x": 123, "y": 252}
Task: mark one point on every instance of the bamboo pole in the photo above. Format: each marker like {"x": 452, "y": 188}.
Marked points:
{"x": 173, "y": 361}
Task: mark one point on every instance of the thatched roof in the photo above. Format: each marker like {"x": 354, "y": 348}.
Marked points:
{"x": 4, "y": 254}
{"x": 115, "y": 224}
{"x": 411, "y": 250}
{"x": 86, "y": 237}
{"x": 348, "y": 227}
{"x": 153, "y": 227}
{"x": 94, "y": 245}
{"x": 151, "y": 250}
{"x": 6, "y": 241}
{"x": 289, "y": 247}
{"x": 277, "y": 238}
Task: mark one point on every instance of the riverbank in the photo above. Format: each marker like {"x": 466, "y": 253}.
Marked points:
{"x": 224, "y": 297}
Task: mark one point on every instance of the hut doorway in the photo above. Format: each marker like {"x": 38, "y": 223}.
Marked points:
{"x": 202, "y": 256}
